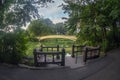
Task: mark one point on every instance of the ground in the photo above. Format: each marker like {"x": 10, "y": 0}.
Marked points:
{"x": 107, "y": 68}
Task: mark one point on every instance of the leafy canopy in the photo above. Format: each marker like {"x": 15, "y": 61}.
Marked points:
{"x": 98, "y": 21}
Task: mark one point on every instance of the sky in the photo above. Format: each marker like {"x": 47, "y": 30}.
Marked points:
{"x": 53, "y": 12}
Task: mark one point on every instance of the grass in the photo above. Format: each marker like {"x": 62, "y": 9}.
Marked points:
{"x": 63, "y": 43}
{"x": 31, "y": 46}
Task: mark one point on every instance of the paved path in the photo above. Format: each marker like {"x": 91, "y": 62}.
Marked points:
{"x": 70, "y": 62}
{"x": 111, "y": 71}
{"x": 107, "y": 68}
{"x": 74, "y": 63}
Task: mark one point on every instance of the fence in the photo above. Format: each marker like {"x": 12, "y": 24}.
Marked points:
{"x": 88, "y": 52}
{"x": 76, "y": 49}
{"x": 91, "y": 53}
{"x": 51, "y": 49}
{"x": 48, "y": 57}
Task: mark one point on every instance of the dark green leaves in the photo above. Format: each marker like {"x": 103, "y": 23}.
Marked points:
{"x": 97, "y": 18}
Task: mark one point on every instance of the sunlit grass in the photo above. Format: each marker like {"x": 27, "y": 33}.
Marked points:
{"x": 63, "y": 43}
{"x": 31, "y": 46}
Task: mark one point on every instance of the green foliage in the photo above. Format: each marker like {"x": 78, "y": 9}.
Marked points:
{"x": 60, "y": 28}
{"x": 13, "y": 15}
{"x": 19, "y": 12}
{"x": 97, "y": 22}
{"x": 42, "y": 27}
{"x": 31, "y": 45}
{"x": 12, "y": 46}
{"x": 38, "y": 28}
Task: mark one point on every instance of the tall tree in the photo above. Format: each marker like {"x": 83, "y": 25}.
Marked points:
{"x": 19, "y": 12}
{"x": 96, "y": 20}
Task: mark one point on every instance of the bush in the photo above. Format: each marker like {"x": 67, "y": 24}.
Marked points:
{"x": 12, "y": 47}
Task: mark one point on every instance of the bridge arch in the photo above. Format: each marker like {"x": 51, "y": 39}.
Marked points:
{"x": 73, "y": 38}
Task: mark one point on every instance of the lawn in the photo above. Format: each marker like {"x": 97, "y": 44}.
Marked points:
{"x": 31, "y": 46}
{"x": 63, "y": 43}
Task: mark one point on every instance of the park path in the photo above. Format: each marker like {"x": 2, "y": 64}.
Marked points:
{"x": 106, "y": 68}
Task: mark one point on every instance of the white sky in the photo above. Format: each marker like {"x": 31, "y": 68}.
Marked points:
{"x": 53, "y": 12}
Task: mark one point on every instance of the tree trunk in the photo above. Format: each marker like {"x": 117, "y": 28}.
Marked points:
{"x": 115, "y": 34}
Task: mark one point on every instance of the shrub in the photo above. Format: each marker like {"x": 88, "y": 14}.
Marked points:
{"x": 13, "y": 46}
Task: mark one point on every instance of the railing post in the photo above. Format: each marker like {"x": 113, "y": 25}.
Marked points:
{"x": 73, "y": 55}
{"x": 58, "y": 56}
{"x": 85, "y": 55}
{"x": 35, "y": 57}
{"x": 41, "y": 47}
{"x": 99, "y": 48}
{"x": 63, "y": 57}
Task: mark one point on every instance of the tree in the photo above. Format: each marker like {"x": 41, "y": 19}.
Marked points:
{"x": 19, "y": 12}
{"x": 39, "y": 28}
{"x": 96, "y": 20}
{"x": 13, "y": 15}
{"x": 60, "y": 28}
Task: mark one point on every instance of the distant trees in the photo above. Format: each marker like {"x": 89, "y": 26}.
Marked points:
{"x": 98, "y": 21}
{"x": 39, "y": 28}
{"x": 60, "y": 28}
{"x": 42, "y": 27}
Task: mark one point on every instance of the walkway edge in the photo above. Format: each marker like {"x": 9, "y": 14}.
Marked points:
{"x": 41, "y": 68}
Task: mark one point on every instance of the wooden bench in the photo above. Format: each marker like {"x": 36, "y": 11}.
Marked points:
{"x": 91, "y": 53}
{"x": 48, "y": 57}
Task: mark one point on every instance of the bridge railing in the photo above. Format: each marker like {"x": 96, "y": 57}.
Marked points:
{"x": 88, "y": 52}
{"x": 77, "y": 49}
{"x": 41, "y": 58}
{"x": 51, "y": 49}
{"x": 91, "y": 53}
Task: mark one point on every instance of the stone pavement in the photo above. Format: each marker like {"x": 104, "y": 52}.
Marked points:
{"x": 106, "y": 68}
{"x": 74, "y": 63}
